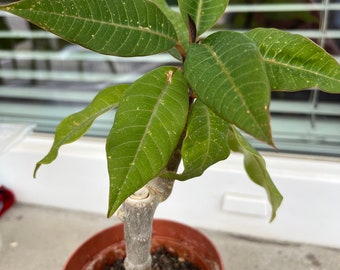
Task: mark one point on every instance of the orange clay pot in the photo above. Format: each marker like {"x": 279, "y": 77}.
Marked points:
{"x": 108, "y": 246}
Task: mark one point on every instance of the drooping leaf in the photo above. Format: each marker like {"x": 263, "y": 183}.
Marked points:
{"x": 204, "y": 13}
{"x": 205, "y": 142}
{"x": 76, "y": 125}
{"x": 227, "y": 73}
{"x": 148, "y": 124}
{"x": 119, "y": 27}
{"x": 294, "y": 62}
{"x": 255, "y": 167}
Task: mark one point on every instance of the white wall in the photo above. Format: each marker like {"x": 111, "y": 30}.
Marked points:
{"x": 222, "y": 199}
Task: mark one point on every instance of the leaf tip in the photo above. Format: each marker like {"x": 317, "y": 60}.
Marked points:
{"x": 267, "y": 135}
{"x": 271, "y": 143}
{"x": 37, "y": 166}
{"x": 110, "y": 213}
{"x": 279, "y": 199}
{"x": 112, "y": 209}
{"x": 273, "y": 216}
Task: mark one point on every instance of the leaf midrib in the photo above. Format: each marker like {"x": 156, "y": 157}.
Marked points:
{"x": 132, "y": 28}
{"x": 230, "y": 79}
{"x": 198, "y": 14}
{"x": 147, "y": 128}
{"x": 272, "y": 61}
{"x": 205, "y": 158}
{"x": 87, "y": 121}
{"x": 208, "y": 120}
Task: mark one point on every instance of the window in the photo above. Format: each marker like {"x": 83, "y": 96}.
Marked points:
{"x": 43, "y": 78}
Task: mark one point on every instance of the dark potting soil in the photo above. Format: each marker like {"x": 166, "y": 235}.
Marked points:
{"x": 161, "y": 260}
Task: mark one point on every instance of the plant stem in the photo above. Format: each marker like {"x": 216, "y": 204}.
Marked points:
{"x": 137, "y": 213}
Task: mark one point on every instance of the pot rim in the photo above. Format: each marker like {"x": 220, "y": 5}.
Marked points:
{"x": 176, "y": 234}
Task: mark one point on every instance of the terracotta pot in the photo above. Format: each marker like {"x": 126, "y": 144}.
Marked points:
{"x": 108, "y": 246}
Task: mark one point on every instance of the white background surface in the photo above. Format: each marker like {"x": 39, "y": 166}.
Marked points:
{"x": 222, "y": 199}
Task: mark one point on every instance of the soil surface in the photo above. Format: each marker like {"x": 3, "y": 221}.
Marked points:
{"x": 161, "y": 260}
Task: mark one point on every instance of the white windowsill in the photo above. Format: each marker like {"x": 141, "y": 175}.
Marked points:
{"x": 222, "y": 199}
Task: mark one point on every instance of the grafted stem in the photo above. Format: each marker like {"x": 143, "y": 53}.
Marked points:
{"x": 137, "y": 213}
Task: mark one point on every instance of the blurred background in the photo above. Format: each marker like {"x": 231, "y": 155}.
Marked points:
{"x": 43, "y": 78}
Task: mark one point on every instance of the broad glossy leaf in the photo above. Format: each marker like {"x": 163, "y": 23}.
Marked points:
{"x": 148, "y": 124}
{"x": 227, "y": 73}
{"x": 119, "y": 27}
{"x": 294, "y": 62}
{"x": 76, "y": 125}
{"x": 255, "y": 167}
{"x": 204, "y": 13}
{"x": 205, "y": 142}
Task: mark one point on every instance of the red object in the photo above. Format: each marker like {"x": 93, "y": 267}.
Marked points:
{"x": 108, "y": 246}
{"x": 7, "y": 199}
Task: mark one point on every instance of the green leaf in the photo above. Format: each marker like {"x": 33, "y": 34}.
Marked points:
{"x": 149, "y": 122}
{"x": 227, "y": 73}
{"x": 76, "y": 125}
{"x": 205, "y": 142}
{"x": 204, "y": 13}
{"x": 177, "y": 21}
{"x": 255, "y": 167}
{"x": 119, "y": 27}
{"x": 294, "y": 62}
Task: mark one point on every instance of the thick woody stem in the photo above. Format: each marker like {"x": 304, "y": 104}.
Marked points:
{"x": 137, "y": 213}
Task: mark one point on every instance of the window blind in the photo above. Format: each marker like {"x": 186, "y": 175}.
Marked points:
{"x": 43, "y": 78}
